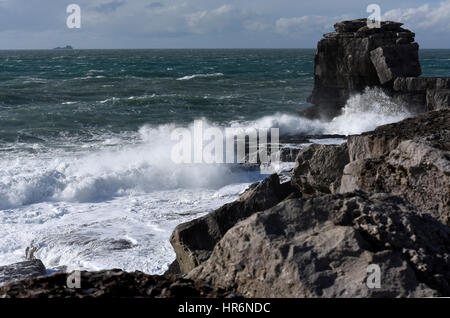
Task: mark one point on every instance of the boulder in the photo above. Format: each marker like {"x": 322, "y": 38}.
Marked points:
{"x": 392, "y": 61}
{"x": 22, "y": 270}
{"x": 414, "y": 169}
{"x": 194, "y": 241}
{"x": 318, "y": 169}
{"x": 326, "y": 246}
{"x": 112, "y": 284}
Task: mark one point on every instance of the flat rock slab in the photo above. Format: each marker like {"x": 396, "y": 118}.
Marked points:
{"x": 22, "y": 270}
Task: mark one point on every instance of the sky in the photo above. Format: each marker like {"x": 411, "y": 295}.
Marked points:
{"x": 41, "y": 24}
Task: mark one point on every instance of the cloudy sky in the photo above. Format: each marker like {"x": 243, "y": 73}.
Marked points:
{"x": 41, "y": 24}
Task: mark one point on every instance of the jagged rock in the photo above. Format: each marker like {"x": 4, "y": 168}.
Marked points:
{"x": 392, "y": 61}
{"x": 414, "y": 170}
{"x": 386, "y": 138}
{"x": 22, "y": 270}
{"x": 112, "y": 284}
{"x": 322, "y": 247}
{"x": 318, "y": 169}
{"x": 194, "y": 241}
{"x": 343, "y": 64}
{"x": 174, "y": 268}
{"x": 409, "y": 158}
{"x": 434, "y": 92}
{"x": 438, "y": 98}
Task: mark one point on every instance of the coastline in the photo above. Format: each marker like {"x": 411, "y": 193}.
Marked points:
{"x": 381, "y": 198}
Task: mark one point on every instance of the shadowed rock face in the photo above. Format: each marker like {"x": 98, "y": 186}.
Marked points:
{"x": 111, "y": 284}
{"x": 22, "y": 270}
{"x": 434, "y": 92}
{"x": 322, "y": 247}
{"x": 355, "y": 57}
{"x": 194, "y": 241}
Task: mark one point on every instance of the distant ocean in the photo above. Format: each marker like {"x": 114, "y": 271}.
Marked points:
{"x": 85, "y": 169}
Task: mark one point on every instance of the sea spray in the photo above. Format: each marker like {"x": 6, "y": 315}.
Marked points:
{"x": 362, "y": 112}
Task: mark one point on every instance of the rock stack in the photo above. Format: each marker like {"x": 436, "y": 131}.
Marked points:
{"x": 355, "y": 57}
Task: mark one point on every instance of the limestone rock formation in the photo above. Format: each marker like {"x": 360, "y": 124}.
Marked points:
{"x": 410, "y": 158}
{"x": 194, "y": 241}
{"x": 322, "y": 247}
{"x": 355, "y": 57}
{"x": 434, "y": 92}
{"x": 318, "y": 169}
{"x": 112, "y": 284}
{"x": 22, "y": 270}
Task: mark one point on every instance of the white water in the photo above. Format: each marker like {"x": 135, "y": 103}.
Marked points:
{"x": 362, "y": 112}
{"x": 115, "y": 204}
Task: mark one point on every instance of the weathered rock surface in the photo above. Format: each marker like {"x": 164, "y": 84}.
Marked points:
{"x": 434, "y": 92}
{"x": 410, "y": 158}
{"x": 194, "y": 241}
{"x": 438, "y": 98}
{"x": 112, "y": 284}
{"x": 22, "y": 270}
{"x": 355, "y": 57}
{"x": 415, "y": 170}
{"x": 386, "y": 138}
{"x": 322, "y": 247}
{"x": 319, "y": 168}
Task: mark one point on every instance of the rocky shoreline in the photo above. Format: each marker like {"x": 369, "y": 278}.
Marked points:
{"x": 382, "y": 198}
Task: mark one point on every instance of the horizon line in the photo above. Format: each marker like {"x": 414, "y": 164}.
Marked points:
{"x": 186, "y": 48}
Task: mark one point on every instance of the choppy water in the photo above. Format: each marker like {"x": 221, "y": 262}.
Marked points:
{"x": 85, "y": 168}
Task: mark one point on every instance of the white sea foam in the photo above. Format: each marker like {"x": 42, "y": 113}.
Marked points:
{"x": 107, "y": 208}
{"x": 189, "y": 77}
{"x": 115, "y": 203}
{"x": 362, "y": 112}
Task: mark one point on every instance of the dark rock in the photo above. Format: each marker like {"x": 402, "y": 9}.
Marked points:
{"x": 289, "y": 154}
{"x": 392, "y": 61}
{"x": 174, "y": 269}
{"x": 343, "y": 64}
{"x": 112, "y": 284}
{"x": 350, "y": 26}
{"x": 438, "y": 98}
{"x": 433, "y": 92}
{"x": 22, "y": 270}
{"x": 322, "y": 247}
{"x": 194, "y": 241}
{"x": 318, "y": 169}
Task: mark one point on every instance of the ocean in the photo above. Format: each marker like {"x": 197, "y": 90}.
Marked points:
{"x": 86, "y": 175}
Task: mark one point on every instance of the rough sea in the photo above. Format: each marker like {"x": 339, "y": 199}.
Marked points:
{"x": 86, "y": 174}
